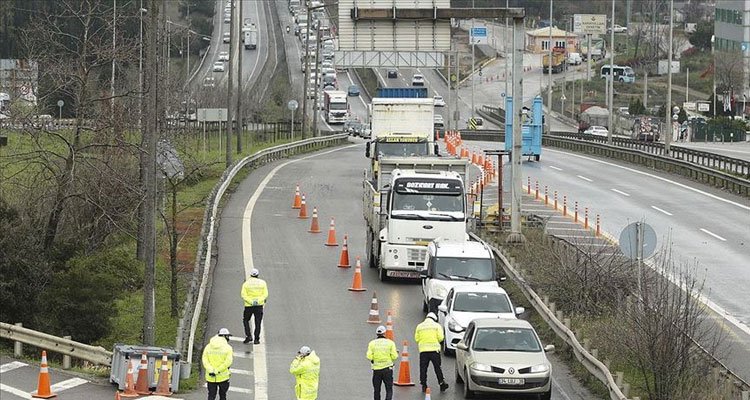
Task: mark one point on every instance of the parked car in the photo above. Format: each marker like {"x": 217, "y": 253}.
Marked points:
{"x": 618, "y": 29}
{"x": 219, "y": 66}
{"x": 596, "y": 131}
{"x": 575, "y": 58}
{"x": 353, "y": 90}
{"x": 439, "y": 102}
{"x": 503, "y": 356}
{"x": 392, "y": 73}
{"x": 227, "y": 37}
{"x": 227, "y": 17}
{"x": 223, "y": 56}
{"x": 417, "y": 80}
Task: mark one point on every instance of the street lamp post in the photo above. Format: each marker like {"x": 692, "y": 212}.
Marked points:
{"x": 668, "y": 138}
{"x": 713, "y": 56}
{"x": 307, "y": 66}
{"x": 60, "y": 105}
{"x": 549, "y": 70}
{"x": 611, "y": 78}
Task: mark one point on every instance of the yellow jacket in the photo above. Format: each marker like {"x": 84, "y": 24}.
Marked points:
{"x": 306, "y": 371}
{"x": 254, "y": 292}
{"x": 217, "y": 358}
{"x": 382, "y": 352}
{"x": 428, "y": 335}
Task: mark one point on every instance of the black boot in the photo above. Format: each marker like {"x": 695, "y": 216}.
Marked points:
{"x": 247, "y": 340}
{"x": 424, "y": 388}
{"x": 443, "y": 386}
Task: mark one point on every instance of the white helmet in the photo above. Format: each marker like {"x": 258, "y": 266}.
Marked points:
{"x": 432, "y": 316}
{"x": 304, "y": 350}
{"x": 380, "y": 330}
{"x": 254, "y": 272}
{"x": 224, "y": 332}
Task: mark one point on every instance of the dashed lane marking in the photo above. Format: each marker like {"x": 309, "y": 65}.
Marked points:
{"x": 11, "y": 366}
{"x": 555, "y": 168}
{"x": 661, "y": 210}
{"x": 620, "y": 192}
{"x": 584, "y": 178}
{"x": 706, "y": 231}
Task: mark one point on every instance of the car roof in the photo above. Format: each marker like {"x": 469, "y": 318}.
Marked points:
{"x": 469, "y": 288}
{"x": 501, "y": 323}
{"x": 469, "y": 249}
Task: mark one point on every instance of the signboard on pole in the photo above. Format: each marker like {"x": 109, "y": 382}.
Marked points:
{"x": 689, "y": 106}
{"x": 478, "y": 35}
{"x": 592, "y": 24}
{"x": 212, "y": 114}
{"x": 704, "y": 106}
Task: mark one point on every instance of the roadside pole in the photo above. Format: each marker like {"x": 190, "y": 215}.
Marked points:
{"x": 515, "y": 235}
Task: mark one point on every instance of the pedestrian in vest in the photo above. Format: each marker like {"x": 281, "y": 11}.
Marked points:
{"x": 428, "y": 336}
{"x": 217, "y": 358}
{"x": 382, "y": 353}
{"x": 254, "y": 293}
{"x": 306, "y": 370}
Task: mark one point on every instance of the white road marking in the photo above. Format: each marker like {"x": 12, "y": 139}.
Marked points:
{"x": 555, "y": 168}
{"x": 584, "y": 178}
{"x": 240, "y": 371}
{"x": 682, "y": 185}
{"x": 706, "y": 231}
{"x": 16, "y": 392}
{"x": 661, "y": 210}
{"x": 560, "y": 389}
{"x": 67, "y": 384}
{"x": 237, "y": 338}
{"x": 260, "y": 366}
{"x": 561, "y": 223}
{"x": 240, "y": 390}
{"x": 620, "y": 192}
{"x": 11, "y": 366}
{"x": 565, "y": 229}
{"x": 243, "y": 354}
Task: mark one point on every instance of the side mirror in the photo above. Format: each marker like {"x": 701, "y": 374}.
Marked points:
{"x": 462, "y": 346}
{"x": 443, "y": 308}
{"x": 367, "y": 149}
{"x": 520, "y": 310}
{"x": 549, "y": 348}
{"x": 423, "y": 273}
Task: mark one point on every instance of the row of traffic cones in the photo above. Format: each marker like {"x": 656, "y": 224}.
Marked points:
{"x": 300, "y": 202}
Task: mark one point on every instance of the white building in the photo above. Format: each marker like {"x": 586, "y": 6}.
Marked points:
{"x": 732, "y": 34}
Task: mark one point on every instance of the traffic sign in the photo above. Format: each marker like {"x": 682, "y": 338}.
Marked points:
{"x": 745, "y": 46}
{"x": 292, "y": 105}
{"x": 472, "y": 123}
{"x": 630, "y": 240}
{"x": 478, "y": 35}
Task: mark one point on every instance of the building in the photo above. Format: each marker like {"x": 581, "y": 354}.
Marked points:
{"x": 732, "y": 35}
{"x": 19, "y": 79}
{"x": 537, "y": 41}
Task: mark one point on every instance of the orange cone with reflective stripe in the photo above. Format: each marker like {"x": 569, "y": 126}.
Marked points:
{"x": 374, "y": 317}
{"x": 314, "y": 226}
{"x": 332, "y": 234}
{"x": 129, "y": 385}
{"x": 162, "y": 387}
{"x": 357, "y": 280}
{"x": 303, "y": 208}
{"x": 344, "y": 259}
{"x": 43, "y": 389}
{"x": 297, "y": 203}
{"x": 404, "y": 373}
{"x": 142, "y": 383}
{"x": 389, "y": 325}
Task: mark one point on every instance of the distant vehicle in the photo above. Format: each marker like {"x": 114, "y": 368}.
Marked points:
{"x": 353, "y": 90}
{"x": 438, "y": 121}
{"x": 646, "y": 129}
{"x": 209, "y": 81}
{"x": 575, "y": 59}
{"x": 227, "y": 37}
{"x": 247, "y": 22}
{"x": 366, "y": 132}
{"x": 596, "y": 131}
{"x": 219, "y": 66}
{"x": 439, "y": 102}
{"x": 327, "y": 64}
{"x": 223, "y": 56}
{"x": 557, "y": 63}
{"x": 329, "y": 82}
{"x": 392, "y": 73}
{"x": 227, "y": 18}
{"x": 618, "y": 29}
{"x": 417, "y": 80}
{"x": 335, "y": 106}
{"x": 621, "y": 73}
{"x": 251, "y": 38}
{"x": 327, "y": 71}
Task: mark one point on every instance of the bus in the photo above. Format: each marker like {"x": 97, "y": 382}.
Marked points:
{"x": 622, "y": 73}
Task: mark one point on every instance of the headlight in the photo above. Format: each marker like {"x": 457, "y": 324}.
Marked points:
{"x": 481, "y": 367}
{"x": 455, "y": 327}
{"x": 440, "y": 291}
{"x": 539, "y": 368}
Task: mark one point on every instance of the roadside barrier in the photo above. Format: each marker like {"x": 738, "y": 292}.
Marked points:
{"x": 374, "y": 315}
{"x": 64, "y": 345}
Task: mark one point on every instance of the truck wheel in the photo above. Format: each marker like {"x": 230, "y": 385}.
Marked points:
{"x": 372, "y": 258}
{"x": 536, "y": 157}
{"x": 382, "y": 274}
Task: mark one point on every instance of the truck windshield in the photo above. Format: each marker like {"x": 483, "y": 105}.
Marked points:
{"x": 475, "y": 269}
{"x": 437, "y": 199}
{"x": 427, "y": 202}
{"x": 403, "y": 149}
{"x": 337, "y": 106}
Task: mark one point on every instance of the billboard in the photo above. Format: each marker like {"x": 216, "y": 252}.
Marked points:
{"x": 592, "y": 24}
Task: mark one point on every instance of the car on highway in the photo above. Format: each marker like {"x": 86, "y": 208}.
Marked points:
{"x": 227, "y": 37}
{"x": 438, "y": 100}
{"x": 327, "y": 64}
{"x": 247, "y": 22}
{"x": 596, "y": 131}
{"x": 223, "y": 56}
{"x": 503, "y": 356}
{"x": 574, "y": 58}
{"x": 219, "y": 66}
{"x": 392, "y": 73}
{"x": 353, "y": 90}
{"x": 417, "y": 80}
{"x": 366, "y": 132}
{"x": 227, "y": 18}
{"x": 438, "y": 121}
{"x": 467, "y": 302}
{"x": 329, "y": 82}
{"x": 618, "y": 29}
{"x": 327, "y": 71}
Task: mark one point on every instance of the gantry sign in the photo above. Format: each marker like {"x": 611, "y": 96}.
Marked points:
{"x": 401, "y": 33}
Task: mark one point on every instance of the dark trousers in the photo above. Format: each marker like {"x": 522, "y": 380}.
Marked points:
{"x": 424, "y": 362}
{"x": 385, "y": 376}
{"x": 222, "y": 387}
{"x": 252, "y": 311}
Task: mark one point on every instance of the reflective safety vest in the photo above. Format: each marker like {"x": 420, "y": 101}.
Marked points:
{"x": 217, "y": 358}
{"x": 254, "y": 292}
{"x": 428, "y": 335}
{"x": 306, "y": 371}
{"x": 382, "y": 352}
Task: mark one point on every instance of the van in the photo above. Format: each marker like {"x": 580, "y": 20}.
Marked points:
{"x": 574, "y": 59}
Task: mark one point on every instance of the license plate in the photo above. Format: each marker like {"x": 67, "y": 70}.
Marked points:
{"x": 402, "y": 274}
{"x": 510, "y": 381}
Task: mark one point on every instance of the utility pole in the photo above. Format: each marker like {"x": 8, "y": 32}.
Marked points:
{"x": 628, "y": 7}
{"x": 318, "y": 82}
{"x": 505, "y": 54}
{"x": 140, "y": 68}
{"x": 473, "y": 64}
{"x": 645, "y": 89}
{"x": 687, "y": 84}
{"x": 240, "y": 86}
{"x": 114, "y": 52}
{"x": 307, "y": 73}
{"x": 611, "y": 77}
{"x": 515, "y": 235}
{"x": 230, "y": 86}
{"x": 549, "y": 71}
{"x": 668, "y": 134}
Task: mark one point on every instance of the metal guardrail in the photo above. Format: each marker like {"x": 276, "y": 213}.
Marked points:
{"x": 707, "y": 159}
{"x": 696, "y": 172}
{"x": 194, "y": 302}
{"x": 94, "y": 354}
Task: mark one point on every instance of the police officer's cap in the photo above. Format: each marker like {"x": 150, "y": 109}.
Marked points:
{"x": 305, "y": 351}
{"x": 254, "y": 272}
{"x": 432, "y": 316}
{"x": 380, "y": 330}
{"x": 224, "y": 332}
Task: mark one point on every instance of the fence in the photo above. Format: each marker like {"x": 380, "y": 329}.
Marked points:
{"x": 64, "y": 345}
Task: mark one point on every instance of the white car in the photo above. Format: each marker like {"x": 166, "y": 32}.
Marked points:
{"x": 227, "y": 37}
{"x": 438, "y": 121}
{"x": 596, "y": 131}
{"x": 219, "y": 66}
{"x": 439, "y": 102}
{"x": 466, "y": 303}
{"x": 618, "y": 29}
{"x": 417, "y": 80}
{"x": 223, "y": 56}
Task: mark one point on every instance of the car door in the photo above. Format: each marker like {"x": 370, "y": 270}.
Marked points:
{"x": 461, "y": 355}
{"x": 448, "y": 301}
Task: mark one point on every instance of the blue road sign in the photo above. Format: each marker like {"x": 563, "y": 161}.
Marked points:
{"x": 479, "y": 32}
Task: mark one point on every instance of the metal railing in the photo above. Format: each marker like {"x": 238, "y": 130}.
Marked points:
{"x": 17, "y": 333}
{"x": 194, "y": 302}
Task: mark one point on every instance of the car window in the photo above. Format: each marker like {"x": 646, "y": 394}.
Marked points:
{"x": 449, "y": 302}
{"x": 468, "y": 336}
{"x": 506, "y": 339}
{"x": 474, "y": 269}
{"x": 482, "y": 302}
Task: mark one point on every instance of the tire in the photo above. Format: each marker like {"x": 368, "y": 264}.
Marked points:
{"x": 457, "y": 378}
{"x": 546, "y": 395}
{"x": 468, "y": 393}
{"x": 424, "y": 306}
{"x": 536, "y": 157}
{"x": 371, "y": 261}
{"x": 446, "y": 351}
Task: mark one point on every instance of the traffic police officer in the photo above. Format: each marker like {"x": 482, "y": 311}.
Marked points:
{"x": 428, "y": 336}
{"x": 306, "y": 370}
{"x": 382, "y": 353}
{"x": 254, "y": 293}
{"x": 217, "y": 358}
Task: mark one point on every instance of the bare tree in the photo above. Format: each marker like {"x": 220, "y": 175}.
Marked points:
{"x": 729, "y": 70}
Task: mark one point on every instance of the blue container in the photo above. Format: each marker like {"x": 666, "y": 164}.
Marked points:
{"x": 403, "y": 92}
{"x": 531, "y": 129}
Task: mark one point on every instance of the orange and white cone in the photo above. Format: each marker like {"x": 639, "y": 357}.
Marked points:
{"x": 374, "y": 317}
{"x": 129, "y": 385}
{"x": 314, "y": 226}
{"x": 344, "y": 259}
{"x": 389, "y": 325}
{"x": 162, "y": 387}
{"x": 297, "y": 203}
{"x": 357, "y": 280}
{"x": 142, "y": 384}
{"x": 43, "y": 389}
{"x": 303, "y": 208}
{"x": 404, "y": 373}
{"x": 332, "y": 234}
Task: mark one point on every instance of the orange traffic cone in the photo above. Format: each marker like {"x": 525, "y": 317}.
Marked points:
{"x": 357, "y": 280}
{"x": 404, "y": 373}
{"x": 427, "y": 394}
{"x": 142, "y": 383}
{"x": 374, "y": 317}
{"x": 314, "y": 227}
{"x": 297, "y": 199}
{"x": 129, "y": 385}
{"x": 302, "y": 208}
{"x": 332, "y": 234}
{"x": 389, "y": 325}
{"x": 43, "y": 389}
{"x": 344, "y": 259}
{"x": 162, "y": 387}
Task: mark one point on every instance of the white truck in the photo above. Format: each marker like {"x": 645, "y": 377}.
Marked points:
{"x": 335, "y": 106}
{"x": 250, "y": 37}
{"x": 411, "y": 202}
